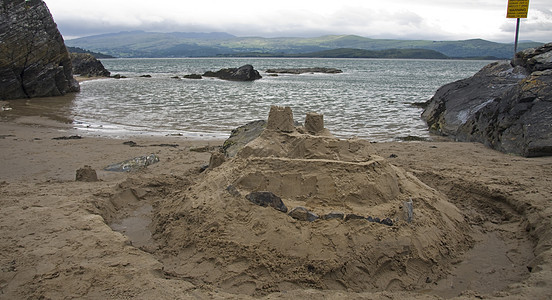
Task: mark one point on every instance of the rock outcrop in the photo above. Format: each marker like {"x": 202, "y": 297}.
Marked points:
{"x": 241, "y": 136}
{"x": 33, "y": 59}
{"x": 305, "y": 70}
{"x": 243, "y": 73}
{"x": 85, "y": 64}
{"x": 506, "y": 105}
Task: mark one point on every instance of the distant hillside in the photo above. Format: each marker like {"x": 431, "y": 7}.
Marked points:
{"x": 95, "y": 54}
{"x": 354, "y": 53}
{"x": 181, "y": 44}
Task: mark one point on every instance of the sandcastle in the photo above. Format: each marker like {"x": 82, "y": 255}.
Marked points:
{"x": 214, "y": 233}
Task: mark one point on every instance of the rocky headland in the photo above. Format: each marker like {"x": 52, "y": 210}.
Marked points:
{"x": 34, "y": 61}
{"x": 86, "y": 65}
{"x": 506, "y": 105}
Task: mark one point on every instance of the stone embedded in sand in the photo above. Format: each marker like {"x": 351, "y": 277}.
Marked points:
{"x": 314, "y": 123}
{"x": 86, "y": 174}
{"x": 232, "y": 190}
{"x": 353, "y": 217}
{"x": 334, "y": 215}
{"x": 303, "y": 214}
{"x": 267, "y": 199}
{"x": 280, "y": 119}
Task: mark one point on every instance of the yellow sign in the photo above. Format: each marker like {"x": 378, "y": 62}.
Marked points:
{"x": 517, "y": 9}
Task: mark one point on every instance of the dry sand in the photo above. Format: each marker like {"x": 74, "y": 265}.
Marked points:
{"x": 481, "y": 227}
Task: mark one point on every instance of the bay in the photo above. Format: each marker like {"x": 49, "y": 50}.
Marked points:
{"x": 371, "y": 99}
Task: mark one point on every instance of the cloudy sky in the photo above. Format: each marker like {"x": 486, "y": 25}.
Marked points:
{"x": 403, "y": 19}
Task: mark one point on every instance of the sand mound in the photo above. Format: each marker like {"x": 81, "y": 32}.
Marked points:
{"x": 211, "y": 234}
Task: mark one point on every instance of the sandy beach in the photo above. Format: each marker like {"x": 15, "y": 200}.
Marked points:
{"x": 482, "y": 228}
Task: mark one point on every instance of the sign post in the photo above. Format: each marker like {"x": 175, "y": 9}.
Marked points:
{"x": 517, "y": 9}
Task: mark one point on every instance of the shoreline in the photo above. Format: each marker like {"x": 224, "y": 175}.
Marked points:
{"x": 56, "y": 242}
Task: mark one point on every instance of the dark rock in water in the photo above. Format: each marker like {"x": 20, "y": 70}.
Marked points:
{"x": 334, "y": 215}
{"x": 193, "y": 76}
{"x": 304, "y": 70}
{"x": 243, "y": 73}
{"x": 86, "y": 174}
{"x": 118, "y": 76}
{"x": 33, "y": 59}
{"x": 241, "y": 136}
{"x": 145, "y": 76}
{"x": 303, "y": 214}
{"x": 505, "y": 106}
{"x": 84, "y": 64}
{"x": 354, "y": 217}
{"x": 133, "y": 164}
{"x": 267, "y": 199}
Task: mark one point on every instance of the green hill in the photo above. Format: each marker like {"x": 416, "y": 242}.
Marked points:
{"x": 178, "y": 44}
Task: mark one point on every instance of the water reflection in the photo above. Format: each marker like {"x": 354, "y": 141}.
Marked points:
{"x": 55, "y": 108}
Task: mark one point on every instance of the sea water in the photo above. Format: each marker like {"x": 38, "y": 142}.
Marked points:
{"x": 372, "y": 98}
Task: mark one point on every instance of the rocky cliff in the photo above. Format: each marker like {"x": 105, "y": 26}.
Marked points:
{"x": 33, "y": 59}
{"x": 506, "y": 105}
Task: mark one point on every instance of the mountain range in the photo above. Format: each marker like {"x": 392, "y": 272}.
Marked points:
{"x": 190, "y": 44}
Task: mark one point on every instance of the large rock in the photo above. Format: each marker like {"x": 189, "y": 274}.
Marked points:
{"x": 33, "y": 59}
{"x": 85, "y": 64}
{"x": 241, "y": 136}
{"x": 507, "y": 106}
{"x": 243, "y": 73}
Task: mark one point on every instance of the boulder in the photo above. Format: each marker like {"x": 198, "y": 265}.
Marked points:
{"x": 34, "y": 61}
{"x": 85, "y": 64}
{"x": 243, "y": 73}
{"x": 241, "y": 136}
{"x": 507, "y": 106}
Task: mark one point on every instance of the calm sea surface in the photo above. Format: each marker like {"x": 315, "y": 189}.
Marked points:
{"x": 371, "y": 99}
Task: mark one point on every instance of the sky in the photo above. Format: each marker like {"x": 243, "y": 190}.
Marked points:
{"x": 395, "y": 19}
